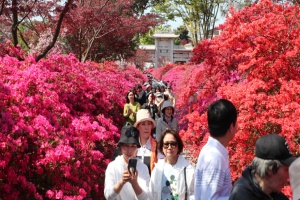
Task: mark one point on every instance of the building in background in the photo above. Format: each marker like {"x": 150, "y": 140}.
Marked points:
{"x": 164, "y": 51}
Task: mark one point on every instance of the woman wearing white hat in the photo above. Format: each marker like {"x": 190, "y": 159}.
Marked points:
{"x": 167, "y": 120}
{"x": 147, "y": 152}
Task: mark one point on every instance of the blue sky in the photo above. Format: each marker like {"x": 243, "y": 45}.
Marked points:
{"x": 178, "y": 22}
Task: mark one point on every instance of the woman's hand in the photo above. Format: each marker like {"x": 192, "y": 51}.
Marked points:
{"x": 130, "y": 177}
{"x": 125, "y": 178}
{"x": 133, "y": 176}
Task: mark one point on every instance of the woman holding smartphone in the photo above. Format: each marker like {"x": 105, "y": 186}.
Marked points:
{"x": 172, "y": 177}
{"x": 121, "y": 183}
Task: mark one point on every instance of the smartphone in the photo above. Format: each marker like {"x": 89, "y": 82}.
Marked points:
{"x": 132, "y": 164}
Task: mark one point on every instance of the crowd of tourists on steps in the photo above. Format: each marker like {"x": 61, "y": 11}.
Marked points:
{"x": 150, "y": 164}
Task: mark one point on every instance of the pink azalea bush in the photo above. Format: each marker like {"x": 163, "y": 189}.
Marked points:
{"x": 60, "y": 120}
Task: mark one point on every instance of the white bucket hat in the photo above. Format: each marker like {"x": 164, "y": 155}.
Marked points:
{"x": 143, "y": 115}
{"x": 294, "y": 171}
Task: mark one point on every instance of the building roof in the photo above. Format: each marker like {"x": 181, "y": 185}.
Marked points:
{"x": 164, "y": 35}
{"x": 176, "y": 47}
{"x": 147, "y": 46}
{"x": 187, "y": 47}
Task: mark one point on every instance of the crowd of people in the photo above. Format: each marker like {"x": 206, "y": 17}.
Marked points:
{"x": 150, "y": 134}
{"x": 158, "y": 99}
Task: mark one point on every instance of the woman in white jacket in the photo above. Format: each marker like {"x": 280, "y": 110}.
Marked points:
{"x": 172, "y": 177}
{"x": 119, "y": 182}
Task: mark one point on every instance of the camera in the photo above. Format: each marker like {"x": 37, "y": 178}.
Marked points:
{"x": 166, "y": 97}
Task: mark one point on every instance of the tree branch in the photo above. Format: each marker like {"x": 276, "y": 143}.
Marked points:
{"x": 57, "y": 30}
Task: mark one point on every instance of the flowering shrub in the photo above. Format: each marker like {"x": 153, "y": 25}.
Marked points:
{"x": 60, "y": 120}
{"x": 159, "y": 72}
{"x": 255, "y": 64}
{"x": 9, "y": 49}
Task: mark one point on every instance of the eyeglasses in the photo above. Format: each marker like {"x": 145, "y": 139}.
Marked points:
{"x": 132, "y": 132}
{"x": 172, "y": 144}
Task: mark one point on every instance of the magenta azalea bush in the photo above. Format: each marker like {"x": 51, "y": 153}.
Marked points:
{"x": 59, "y": 123}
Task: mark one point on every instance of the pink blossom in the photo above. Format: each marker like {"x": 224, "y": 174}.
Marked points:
{"x": 77, "y": 163}
{"x": 58, "y": 194}
{"x": 82, "y": 192}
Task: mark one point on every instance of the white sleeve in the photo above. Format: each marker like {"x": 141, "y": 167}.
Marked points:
{"x": 110, "y": 181}
{"x": 158, "y": 130}
{"x": 143, "y": 180}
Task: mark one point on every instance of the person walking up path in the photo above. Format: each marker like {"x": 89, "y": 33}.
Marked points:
{"x": 269, "y": 172}
{"x": 167, "y": 120}
{"x": 172, "y": 177}
{"x": 294, "y": 172}
{"x": 119, "y": 182}
{"x": 131, "y": 108}
{"x": 212, "y": 176}
{"x": 148, "y": 149}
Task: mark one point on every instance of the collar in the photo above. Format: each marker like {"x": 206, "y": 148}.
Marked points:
{"x": 181, "y": 162}
{"x": 147, "y": 145}
{"x": 215, "y": 143}
{"x": 168, "y": 119}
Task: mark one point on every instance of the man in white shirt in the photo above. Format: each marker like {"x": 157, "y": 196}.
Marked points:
{"x": 295, "y": 178}
{"x": 212, "y": 175}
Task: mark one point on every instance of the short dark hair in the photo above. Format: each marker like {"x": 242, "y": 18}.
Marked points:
{"x": 177, "y": 137}
{"x": 138, "y": 86}
{"x": 220, "y": 115}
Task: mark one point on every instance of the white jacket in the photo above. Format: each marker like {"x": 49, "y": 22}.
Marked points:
{"x": 114, "y": 173}
{"x": 156, "y": 179}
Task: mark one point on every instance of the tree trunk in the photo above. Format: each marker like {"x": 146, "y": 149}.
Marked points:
{"x": 14, "y": 28}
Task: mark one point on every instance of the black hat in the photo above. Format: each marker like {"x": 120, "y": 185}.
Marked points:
{"x": 129, "y": 135}
{"x": 273, "y": 147}
{"x": 138, "y": 86}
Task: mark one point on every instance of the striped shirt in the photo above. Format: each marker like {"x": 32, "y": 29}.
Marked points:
{"x": 212, "y": 175}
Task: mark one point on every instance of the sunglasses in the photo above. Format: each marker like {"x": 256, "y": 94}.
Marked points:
{"x": 132, "y": 133}
{"x": 172, "y": 144}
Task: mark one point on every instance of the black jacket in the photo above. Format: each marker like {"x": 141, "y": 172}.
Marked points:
{"x": 142, "y": 98}
{"x": 247, "y": 188}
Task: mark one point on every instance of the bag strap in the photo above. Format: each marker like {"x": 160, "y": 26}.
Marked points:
{"x": 185, "y": 183}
